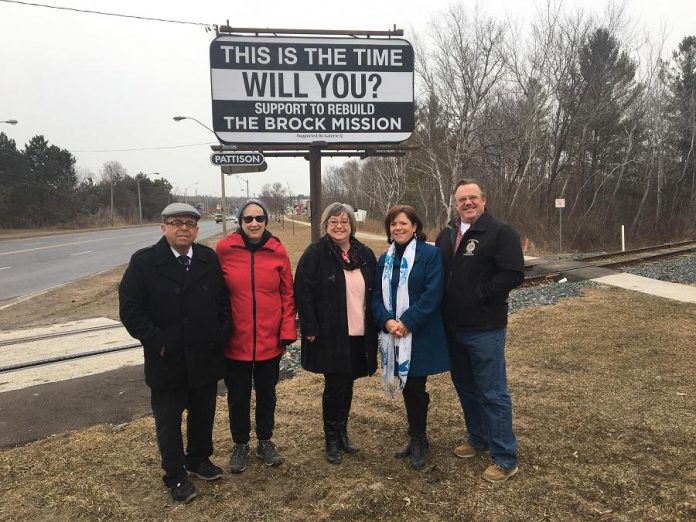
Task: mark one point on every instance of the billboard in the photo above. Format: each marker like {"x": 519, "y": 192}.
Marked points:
{"x": 286, "y": 90}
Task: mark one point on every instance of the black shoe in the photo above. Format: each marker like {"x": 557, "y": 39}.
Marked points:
{"x": 182, "y": 490}
{"x": 419, "y": 453}
{"x": 345, "y": 443}
{"x": 267, "y": 451}
{"x": 205, "y": 470}
{"x": 238, "y": 458}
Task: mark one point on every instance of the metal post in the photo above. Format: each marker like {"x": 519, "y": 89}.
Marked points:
{"x": 560, "y": 229}
{"x": 111, "y": 178}
{"x": 223, "y": 205}
{"x": 315, "y": 189}
{"x": 140, "y": 205}
{"x": 623, "y": 238}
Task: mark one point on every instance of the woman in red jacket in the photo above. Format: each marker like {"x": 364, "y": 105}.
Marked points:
{"x": 259, "y": 278}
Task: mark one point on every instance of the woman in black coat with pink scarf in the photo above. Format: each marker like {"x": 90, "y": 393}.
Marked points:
{"x": 333, "y": 287}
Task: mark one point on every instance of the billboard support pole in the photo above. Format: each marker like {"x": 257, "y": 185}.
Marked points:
{"x": 315, "y": 188}
{"x": 223, "y": 204}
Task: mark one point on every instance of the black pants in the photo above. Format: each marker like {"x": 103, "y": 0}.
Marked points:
{"x": 168, "y": 407}
{"x": 239, "y": 383}
{"x": 336, "y": 399}
{"x": 416, "y": 400}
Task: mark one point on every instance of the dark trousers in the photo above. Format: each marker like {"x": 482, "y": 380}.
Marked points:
{"x": 416, "y": 400}
{"x": 168, "y": 407}
{"x": 336, "y": 400}
{"x": 239, "y": 377}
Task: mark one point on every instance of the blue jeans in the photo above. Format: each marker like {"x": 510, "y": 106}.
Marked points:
{"x": 478, "y": 374}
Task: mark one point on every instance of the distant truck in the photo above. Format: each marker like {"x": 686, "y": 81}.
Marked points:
{"x": 218, "y": 218}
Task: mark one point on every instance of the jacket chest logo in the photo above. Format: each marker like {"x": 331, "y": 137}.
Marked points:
{"x": 470, "y": 247}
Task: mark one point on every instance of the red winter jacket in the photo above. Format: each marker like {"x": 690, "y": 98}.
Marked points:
{"x": 261, "y": 297}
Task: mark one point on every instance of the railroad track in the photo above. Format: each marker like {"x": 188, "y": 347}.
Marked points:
{"x": 546, "y": 271}
{"x": 65, "y": 352}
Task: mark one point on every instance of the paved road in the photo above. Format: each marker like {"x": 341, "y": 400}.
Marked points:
{"x": 33, "y": 264}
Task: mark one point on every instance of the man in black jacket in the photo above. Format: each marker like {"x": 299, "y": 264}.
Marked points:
{"x": 483, "y": 262}
{"x": 173, "y": 299}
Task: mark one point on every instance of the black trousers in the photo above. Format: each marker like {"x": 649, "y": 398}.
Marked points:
{"x": 239, "y": 378}
{"x": 168, "y": 407}
{"x": 336, "y": 399}
{"x": 416, "y": 400}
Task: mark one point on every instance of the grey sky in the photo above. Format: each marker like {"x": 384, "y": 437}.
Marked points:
{"x": 96, "y": 83}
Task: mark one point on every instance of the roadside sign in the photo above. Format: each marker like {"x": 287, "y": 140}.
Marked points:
{"x": 560, "y": 203}
{"x": 237, "y": 158}
{"x": 241, "y": 169}
{"x": 286, "y": 90}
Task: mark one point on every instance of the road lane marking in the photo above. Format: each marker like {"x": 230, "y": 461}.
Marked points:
{"x": 66, "y": 244}
{"x": 81, "y": 253}
{"x": 77, "y": 243}
{"x": 130, "y": 243}
{"x": 5, "y": 268}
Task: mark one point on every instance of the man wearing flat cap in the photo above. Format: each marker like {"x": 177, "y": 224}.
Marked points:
{"x": 173, "y": 299}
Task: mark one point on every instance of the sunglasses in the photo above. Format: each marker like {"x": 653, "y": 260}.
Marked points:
{"x": 249, "y": 219}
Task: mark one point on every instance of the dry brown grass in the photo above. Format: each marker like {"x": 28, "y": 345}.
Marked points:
{"x": 604, "y": 400}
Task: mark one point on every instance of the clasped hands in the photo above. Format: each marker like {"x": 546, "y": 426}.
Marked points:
{"x": 396, "y": 328}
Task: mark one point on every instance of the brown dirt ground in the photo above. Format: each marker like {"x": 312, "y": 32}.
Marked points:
{"x": 604, "y": 396}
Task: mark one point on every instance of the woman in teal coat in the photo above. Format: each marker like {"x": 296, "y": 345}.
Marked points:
{"x": 406, "y": 306}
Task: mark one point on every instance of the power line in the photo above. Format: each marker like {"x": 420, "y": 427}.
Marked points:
{"x": 145, "y": 148}
{"x": 208, "y": 27}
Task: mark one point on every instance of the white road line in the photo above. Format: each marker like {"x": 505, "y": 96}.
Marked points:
{"x": 130, "y": 243}
{"x": 5, "y": 268}
{"x": 66, "y": 244}
{"x": 81, "y": 253}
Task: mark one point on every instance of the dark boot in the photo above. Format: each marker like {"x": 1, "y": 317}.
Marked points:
{"x": 333, "y": 453}
{"x": 331, "y": 410}
{"x": 344, "y": 441}
{"x": 419, "y": 453}
{"x": 405, "y": 450}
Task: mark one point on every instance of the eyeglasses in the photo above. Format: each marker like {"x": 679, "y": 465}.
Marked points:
{"x": 249, "y": 219}
{"x": 177, "y": 223}
{"x": 336, "y": 222}
{"x": 464, "y": 199}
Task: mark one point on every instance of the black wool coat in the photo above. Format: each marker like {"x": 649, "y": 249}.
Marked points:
{"x": 186, "y": 313}
{"x": 320, "y": 296}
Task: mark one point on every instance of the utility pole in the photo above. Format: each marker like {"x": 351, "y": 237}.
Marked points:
{"x": 111, "y": 179}
{"x": 140, "y": 205}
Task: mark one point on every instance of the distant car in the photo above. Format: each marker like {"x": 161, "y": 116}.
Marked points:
{"x": 233, "y": 218}
{"x": 218, "y": 218}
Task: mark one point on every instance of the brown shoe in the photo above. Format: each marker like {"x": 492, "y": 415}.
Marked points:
{"x": 496, "y": 473}
{"x": 465, "y": 451}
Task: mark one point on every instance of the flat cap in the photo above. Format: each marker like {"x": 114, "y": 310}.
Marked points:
{"x": 180, "y": 209}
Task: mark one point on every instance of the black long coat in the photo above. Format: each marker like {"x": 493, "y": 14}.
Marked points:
{"x": 186, "y": 313}
{"x": 320, "y": 296}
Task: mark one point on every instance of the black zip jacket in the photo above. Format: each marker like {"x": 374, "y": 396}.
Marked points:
{"x": 479, "y": 276}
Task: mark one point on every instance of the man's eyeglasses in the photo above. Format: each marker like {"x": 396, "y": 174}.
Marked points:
{"x": 336, "y": 222}
{"x": 177, "y": 223}
{"x": 249, "y": 219}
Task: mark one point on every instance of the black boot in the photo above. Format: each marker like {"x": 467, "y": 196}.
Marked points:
{"x": 419, "y": 452}
{"x": 333, "y": 453}
{"x": 344, "y": 441}
{"x": 405, "y": 450}
{"x": 331, "y": 410}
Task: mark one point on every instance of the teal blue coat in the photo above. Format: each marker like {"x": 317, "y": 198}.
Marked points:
{"x": 423, "y": 318}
